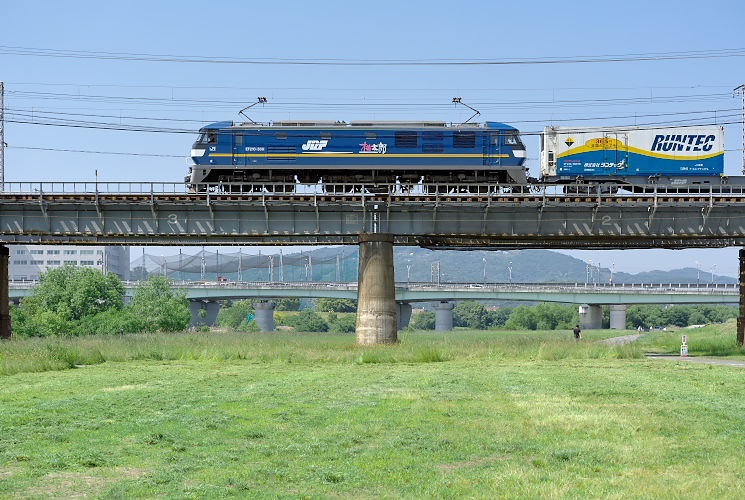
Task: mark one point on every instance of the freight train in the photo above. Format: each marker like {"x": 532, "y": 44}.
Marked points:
{"x": 435, "y": 154}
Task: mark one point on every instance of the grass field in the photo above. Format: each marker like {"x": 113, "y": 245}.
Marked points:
{"x": 466, "y": 414}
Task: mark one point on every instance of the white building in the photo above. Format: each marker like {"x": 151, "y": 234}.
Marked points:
{"x": 27, "y": 261}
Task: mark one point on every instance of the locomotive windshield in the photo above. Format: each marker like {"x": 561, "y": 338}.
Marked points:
{"x": 208, "y": 137}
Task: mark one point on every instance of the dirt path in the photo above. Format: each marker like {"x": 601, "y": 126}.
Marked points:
{"x": 693, "y": 359}
{"x": 626, "y": 339}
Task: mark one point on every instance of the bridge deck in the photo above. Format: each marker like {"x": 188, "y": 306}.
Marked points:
{"x": 504, "y": 217}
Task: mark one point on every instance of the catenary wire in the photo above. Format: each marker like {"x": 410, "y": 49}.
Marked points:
{"x": 122, "y": 56}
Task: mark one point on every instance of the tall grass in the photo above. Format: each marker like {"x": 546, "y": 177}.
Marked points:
{"x": 711, "y": 340}
{"x": 43, "y": 354}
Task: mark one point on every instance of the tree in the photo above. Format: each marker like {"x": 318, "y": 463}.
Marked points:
{"x": 75, "y": 292}
{"x": 158, "y": 307}
{"x": 336, "y": 305}
{"x": 307, "y": 321}
{"x": 470, "y": 314}
{"x": 555, "y": 316}
{"x": 291, "y": 304}
{"x": 65, "y": 296}
{"x": 522, "y": 318}
{"x": 498, "y": 317}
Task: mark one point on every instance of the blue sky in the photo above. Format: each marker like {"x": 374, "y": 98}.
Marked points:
{"x": 178, "y": 95}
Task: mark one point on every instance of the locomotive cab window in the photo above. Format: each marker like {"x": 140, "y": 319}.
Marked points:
{"x": 512, "y": 139}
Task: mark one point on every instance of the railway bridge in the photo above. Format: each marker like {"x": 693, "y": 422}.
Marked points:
{"x": 445, "y": 216}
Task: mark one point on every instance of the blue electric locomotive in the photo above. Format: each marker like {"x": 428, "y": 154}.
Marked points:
{"x": 365, "y": 153}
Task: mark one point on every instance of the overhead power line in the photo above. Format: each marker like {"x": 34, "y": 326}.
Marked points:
{"x": 170, "y": 58}
{"x": 239, "y": 101}
{"x": 99, "y": 152}
{"x": 34, "y": 114}
{"x": 458, "y": 89}
{"x": 135, "y": 128}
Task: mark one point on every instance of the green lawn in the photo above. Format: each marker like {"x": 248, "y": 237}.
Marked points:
{"x": 467, "y": 414}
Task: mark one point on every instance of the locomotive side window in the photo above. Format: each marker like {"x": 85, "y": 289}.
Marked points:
{"x": 464, "y": 139}
{"x": 406, "y": 139}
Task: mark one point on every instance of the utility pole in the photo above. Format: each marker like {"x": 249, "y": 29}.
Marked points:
{"x": 738, "y": 90}
{"x": 2, "y": 136}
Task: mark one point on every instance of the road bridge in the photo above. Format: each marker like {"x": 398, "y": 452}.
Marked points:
{"x": 206, "y": 294}
{"x": 570, "y": 293}
{"x": 443, "y": 216}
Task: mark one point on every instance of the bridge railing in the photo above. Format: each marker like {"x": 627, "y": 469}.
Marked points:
{"x": 399, "y": 189}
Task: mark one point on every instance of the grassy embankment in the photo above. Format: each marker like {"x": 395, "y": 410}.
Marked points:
{"x": 467, "y": 414}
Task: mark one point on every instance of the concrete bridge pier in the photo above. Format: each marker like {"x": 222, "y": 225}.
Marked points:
{"x": 404, "y": 315}
{"x": 376, "y": 293}
{"x": 211, "y": 309}
{"x": 590, "y": 317}
{"x": 265, "y": 315}
{"x": 5, "y": 330}
{"x": 618, "y": 317}
{"x": 444, "y": 316}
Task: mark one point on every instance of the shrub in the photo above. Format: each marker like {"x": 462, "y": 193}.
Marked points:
{"x": 159, "y": 307}
{"x": 307, "y": 321}
{"x": 343, "y": 324}
{"x": 236, "y": 314}
{"x": 336, "y": 305}
{"x": 424, "y": 320}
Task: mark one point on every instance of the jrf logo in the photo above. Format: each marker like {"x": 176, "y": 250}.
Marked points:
{"x": 315, "y": 145}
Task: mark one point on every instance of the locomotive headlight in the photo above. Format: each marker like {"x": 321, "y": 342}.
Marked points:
{"x": 198, "y": 152}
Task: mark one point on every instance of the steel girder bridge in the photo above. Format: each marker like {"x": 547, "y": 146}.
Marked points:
{"x": 497, "y": 217}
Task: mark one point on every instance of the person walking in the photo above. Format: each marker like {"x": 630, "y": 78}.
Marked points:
{"x": 577, "y": 333}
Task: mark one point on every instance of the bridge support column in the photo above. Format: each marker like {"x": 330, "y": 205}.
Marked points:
{"x": 444, "y": 316}
{"x": 618, "y": 317}
{"x": 404, "y": 315}
{"x": 741, "y": 318}
{"x": 5, "y": 330}
{"x": 590, "y": 317}
{"x": 376, "y": 292}
{"x": 265, "y": 315}
{"x": 208, "y": 319}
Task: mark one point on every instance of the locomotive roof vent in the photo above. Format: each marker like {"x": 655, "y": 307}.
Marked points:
{"x": 399, "y": 124}
{"x": 314, "y": 123}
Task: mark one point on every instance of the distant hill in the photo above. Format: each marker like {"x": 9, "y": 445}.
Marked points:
{"x": 527, "y": 266}
{"x": 419, "y": 265}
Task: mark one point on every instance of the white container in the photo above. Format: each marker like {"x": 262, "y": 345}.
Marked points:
{"x": 632, "y": 151}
